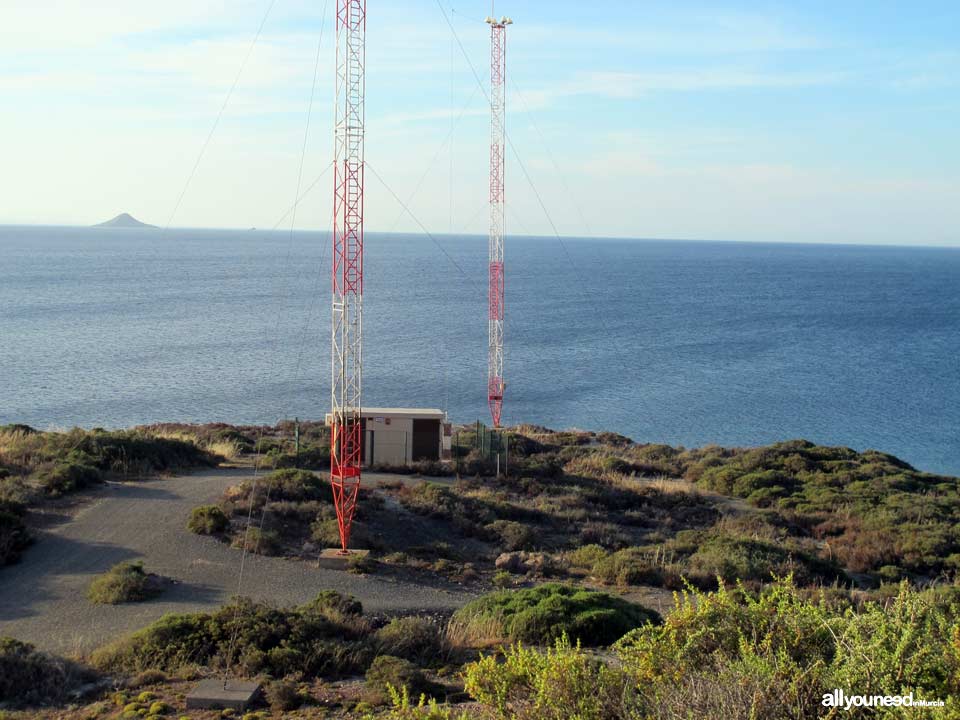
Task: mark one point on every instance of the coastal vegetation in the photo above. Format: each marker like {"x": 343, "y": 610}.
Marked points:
{"x": 732, "y": 653}
{"x": 542, "y": 614}
{"x": 124, "y": 583}
{"x": 55, "y": 463}
{"x": 37, "y": 468}
{"x": 31, "y": 677}
{"x": 207, "y": 520}
{"x": 770, "y": 654}
{"x": 778, "y": 574}
{"x": 596, "y": 507}
{"x": 327, "y": 637}
{"x": 14, "y": 536}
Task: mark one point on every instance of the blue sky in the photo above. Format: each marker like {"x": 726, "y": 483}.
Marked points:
{"x": 817, "y": 121}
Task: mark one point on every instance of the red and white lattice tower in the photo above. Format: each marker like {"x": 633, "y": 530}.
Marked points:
{"x": 495, "y": 383}
{"x": 346, "y": 330}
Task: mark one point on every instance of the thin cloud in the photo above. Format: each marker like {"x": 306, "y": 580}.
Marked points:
{"x": 628, "y": 85}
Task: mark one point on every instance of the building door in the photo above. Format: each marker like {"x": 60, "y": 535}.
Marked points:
{"x": 426, "y": 440}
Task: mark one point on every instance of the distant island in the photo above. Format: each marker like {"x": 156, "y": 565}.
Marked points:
{"x": 125, "y": 220}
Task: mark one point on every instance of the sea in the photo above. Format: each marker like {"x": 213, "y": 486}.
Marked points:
{"x": 678, "y": 342}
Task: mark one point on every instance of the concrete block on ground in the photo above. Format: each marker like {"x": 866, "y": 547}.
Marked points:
{"x": 211, "y": 695}
{"x": 336, "y": 559}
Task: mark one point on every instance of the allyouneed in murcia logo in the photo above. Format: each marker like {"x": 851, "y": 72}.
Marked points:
{"x": 839, "y": 699}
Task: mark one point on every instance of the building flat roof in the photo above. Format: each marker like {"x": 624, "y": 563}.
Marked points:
{"x": 400, "y": 412}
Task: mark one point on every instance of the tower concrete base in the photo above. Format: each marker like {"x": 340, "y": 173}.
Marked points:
{"x": 212, "y": 695}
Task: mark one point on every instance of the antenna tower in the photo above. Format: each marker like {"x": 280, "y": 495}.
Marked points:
{"x": 346, "y": 335}
{"x": 495, "y": 383}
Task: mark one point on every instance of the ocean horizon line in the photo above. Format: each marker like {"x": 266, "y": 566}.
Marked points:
{"x": 525, "y": 236}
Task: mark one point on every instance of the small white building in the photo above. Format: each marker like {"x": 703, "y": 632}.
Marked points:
{"x": 400, "y": 436}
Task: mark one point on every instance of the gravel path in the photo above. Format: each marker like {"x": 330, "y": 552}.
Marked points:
{"x": 42, "y": 598}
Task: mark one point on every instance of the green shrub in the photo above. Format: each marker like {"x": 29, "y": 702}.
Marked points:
{"x": 733, "y": 557}
{"x": 392, "y": 672}
{"x": 606, "y": 534}
{"x": 208, "y": 520}
{"x": 586, "y": 556}
{"x": 14, "y": 536}
{"x": 403, "y": 708}
{"x": 30, "y": 677}
{"x": 255, "y": 540}
{"x": 512, "y": 535}
{"x": 630, "y": 566}
{"x": 123, "y": 583}
{"x": 411, "y": 638}
{"x": 127, "y": 452}
{"x": 326, "y": 533}
{"x": 318, "y": 639}
{"x": 282, "y": 695}
{"x": 333, "y": 605}
{"x": 876, "y": 509}
{"x": 542, "y": 614}
{"x": 360, "y": 564}
{"x": 731, "y": 653}
{"x": 285, "y": 484}
{"x": 64, "y": 477}
{"x": 560, "y": 683}
{"x": 147, "y": 677}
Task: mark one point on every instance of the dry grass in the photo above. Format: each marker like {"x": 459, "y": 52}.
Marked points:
{"x": 20, "y": 448}
{"x": 227, "y": 449}
{"x": 174, "y": 435}
{"x": 673, "y": 486}
{"x": 464, "y": 634}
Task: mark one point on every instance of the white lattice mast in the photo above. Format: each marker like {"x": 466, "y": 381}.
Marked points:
{"x": 495, "y": 382}
{"x": 346, "y": 328}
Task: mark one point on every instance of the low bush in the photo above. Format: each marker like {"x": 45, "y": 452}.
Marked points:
{"x": 334, "y": 606}
{"x": 321, "y": 638}
{"x": 147, "y": 677}
{"x": 14, "y": 536}
{"x": 586, "y": 556}
{"x": 15, "y": 490}
{"x": 403, "y": 707}
{"x": 326, "y": 533}
{"x": 411, "y": 638}
{"x": 360, "y": 564}
{"x": 123, "y": 583}
{"x": 388, "y": 672}
{"x": 255, "y": 540}
{"x": 282, "y": 695}
{"x": 560, "y": 683}
{"x": 630, "y": 566}
{"x": 30, "y": 677}
{"x": 512, "y": 535}
{"x": 605, "y": 534}
{"x": 63, "y": 477}
{"x": 732, "y": 557}
{"x": 542, "y": 614}
{"x": 208, "y": 520}
{"x": 285, "y": 484}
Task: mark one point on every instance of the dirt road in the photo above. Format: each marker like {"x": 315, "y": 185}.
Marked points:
{"x": 42, "y": 598}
